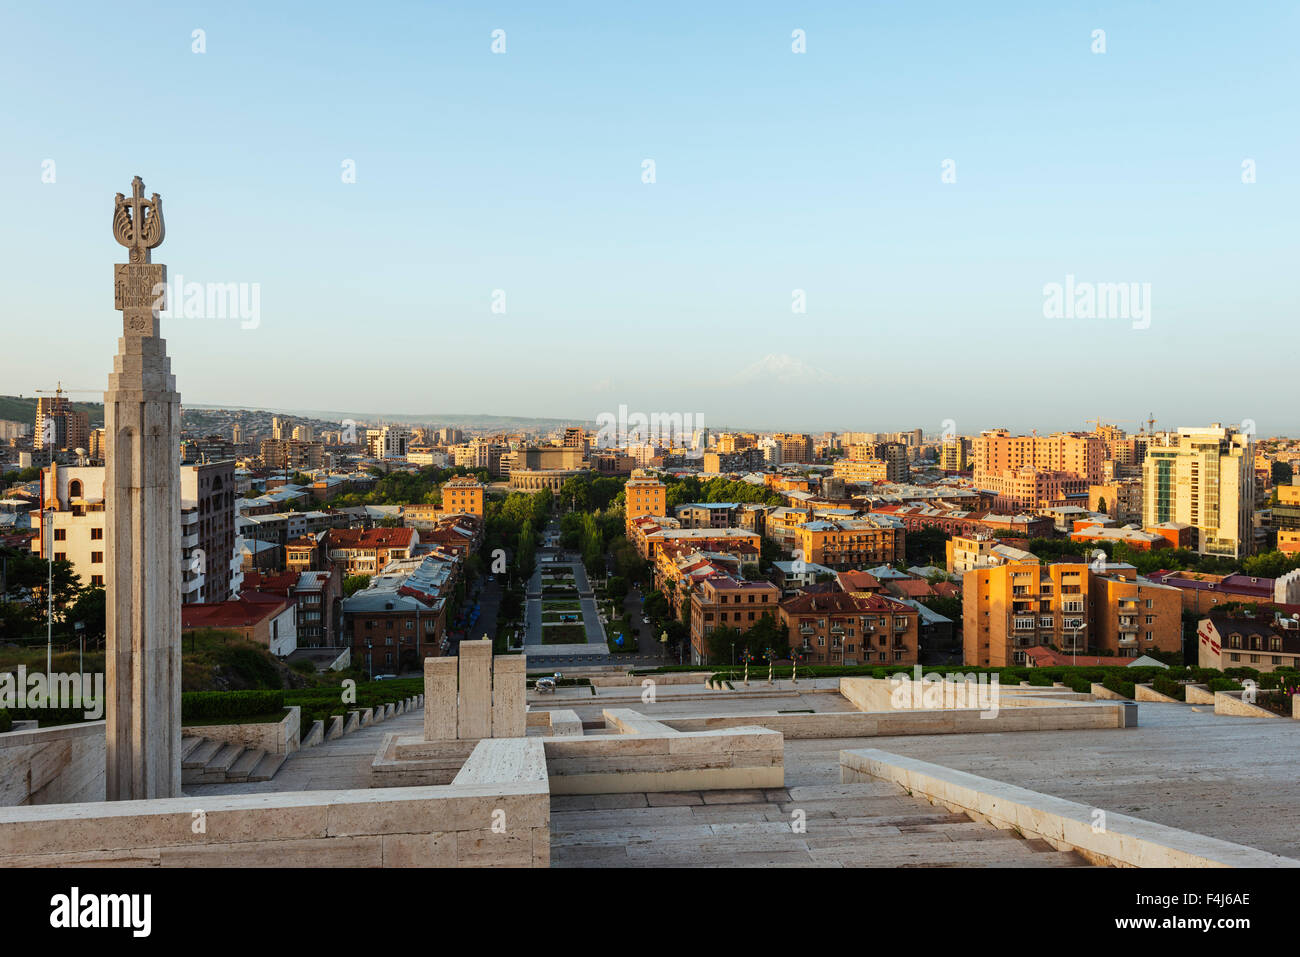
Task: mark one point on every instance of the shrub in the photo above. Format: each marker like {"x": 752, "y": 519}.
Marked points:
{"x": 1079, "y": 684}
{"x": 206, "y": 705}
{"x": 6, "y": 721}
{"x": 1168, "y": 687}
{"x": 1223, "y": 684}
{"x": 1118, "y": 685}
{"x": 1039, "y": 680}
{"x": 1240, "y": 673}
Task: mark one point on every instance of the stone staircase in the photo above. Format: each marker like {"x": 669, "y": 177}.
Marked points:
{"x": 204, "y": 761}
{"x": 868, "y": 824}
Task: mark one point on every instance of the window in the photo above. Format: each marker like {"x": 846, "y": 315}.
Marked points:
{"x": 96, "y": 558}
{"x": 96, "y": 534}
{"x": 97, "y": 580}
{"x": 60, "y": 534}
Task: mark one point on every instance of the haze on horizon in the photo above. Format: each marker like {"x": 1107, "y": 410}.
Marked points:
{"x": 774, "y": 172}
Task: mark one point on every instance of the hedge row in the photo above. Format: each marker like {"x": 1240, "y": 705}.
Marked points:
{"x": 1168, "y": 687}
{"x": 1118, "y": 685}
{"x": 205, "y": 705}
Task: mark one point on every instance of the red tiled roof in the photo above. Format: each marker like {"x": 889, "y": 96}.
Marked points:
{"x": 841, "y": 603}
{"x": 248, "y": 609}
{"x": 371, "y": 537}
{"x": 912, "y": 587}
{"x": 853, "y": 580}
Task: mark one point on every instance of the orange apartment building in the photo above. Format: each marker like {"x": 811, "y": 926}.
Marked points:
{"x": 462, "y": 495}
{"x": 1009, "y": 609}
{"x": 721, "y": 601}
{"x": 1079, "y": 453}
{"x": 644, "y": 495}
{"x": 796, "y": 448}
{"x": 1131, "y": 617}
{"x": 839, "y": 628}
{"x": 848, "y": 543}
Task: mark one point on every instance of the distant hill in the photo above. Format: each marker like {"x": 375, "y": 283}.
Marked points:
{"x": 18, "y": 409}
{"x": 504, "y": 423}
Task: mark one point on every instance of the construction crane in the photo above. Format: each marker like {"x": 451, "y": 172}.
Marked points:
{"x": 59, "y": 391}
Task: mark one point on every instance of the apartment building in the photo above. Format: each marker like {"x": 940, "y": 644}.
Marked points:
{"x": 1079, "y": 454}
{"x": 644, "y": 495}
{"x": 721, "y": 601}
{"x": 851, "y": 629}
{"x": 1206, "y": 478}
{"x": 390, "y": 442}
{"x": 1009, "y": 608}
{"x": 1286, "y": 518}
{"x": 707, "y": 514}
{"x": 74, "y": 516}
{"x": 955, "y": 455}
{"x": 318, "y": 597}
{"x": 796, "y": 448}
{"x": 288, "y": 454}
{"x": 463, "y": 495}
{"x": 851, "y": 543}
{"x": 1121, "y": 500}
{"x": 1133, "y": 616}
{"x": 366, "y": 551}
{"x": 208, "y": 537}
{"x": 1075, "y": 608}
{"x": 889, "y": 459}
{"x": 59, "y": 426}
{"x": 400, "y": 618}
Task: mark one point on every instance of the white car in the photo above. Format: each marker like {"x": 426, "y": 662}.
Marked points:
{"x": 645, "y": 620}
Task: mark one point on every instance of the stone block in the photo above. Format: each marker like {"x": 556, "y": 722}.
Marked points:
{"x": 474, "y": 700}
{"x": 508, "y": 696}
{"x": 440, "y": 697}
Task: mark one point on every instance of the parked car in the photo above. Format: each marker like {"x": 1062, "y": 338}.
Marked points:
{"x": 385, "y": 677}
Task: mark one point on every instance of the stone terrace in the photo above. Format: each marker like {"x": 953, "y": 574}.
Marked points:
{"x": 874, "y": 824}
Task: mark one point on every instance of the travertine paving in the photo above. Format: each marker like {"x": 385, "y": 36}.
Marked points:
{"x": 1237, "y": 779}
{"x": 830, "y": 825}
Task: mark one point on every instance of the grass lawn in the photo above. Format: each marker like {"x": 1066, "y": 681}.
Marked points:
{"x": 573, "y": 617}
{"x": 564, "y": 635}
{"x": 561, "y": 605}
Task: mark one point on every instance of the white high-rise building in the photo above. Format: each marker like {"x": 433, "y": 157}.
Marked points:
{"x": 1204, "y": 477}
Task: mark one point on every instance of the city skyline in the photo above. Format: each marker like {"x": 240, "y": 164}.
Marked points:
{"x": 782, "y": 179}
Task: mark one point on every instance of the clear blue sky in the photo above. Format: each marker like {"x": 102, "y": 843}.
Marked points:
{"x": 775, "y": 171}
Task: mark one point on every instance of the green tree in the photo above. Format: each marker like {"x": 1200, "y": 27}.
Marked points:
{"x": 721, "y": 643}
{"x": 354, "y": 583}
{"x": 91, "y": 609}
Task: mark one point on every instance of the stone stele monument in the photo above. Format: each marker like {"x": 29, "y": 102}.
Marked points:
{"x": 142, "y": 526}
